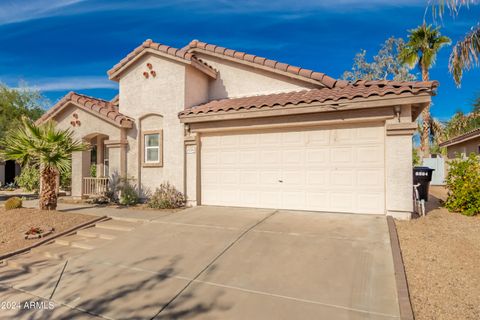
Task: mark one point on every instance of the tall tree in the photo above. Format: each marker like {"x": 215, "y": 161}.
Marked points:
{"x": 424, "y": 43}
{"x": 45, "y": 147}
{"x": 465, "y": 53}
{"x": 16, "y": 103}
{"x": 385, "y": 65}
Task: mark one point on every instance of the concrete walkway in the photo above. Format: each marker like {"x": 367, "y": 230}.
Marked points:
{"x": 212, "y": 263}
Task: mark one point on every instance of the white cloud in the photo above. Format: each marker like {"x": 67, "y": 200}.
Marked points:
{"x": 23, "y": 10}
{"x": 12, "y": 11}
{"x": 67, "y": 83}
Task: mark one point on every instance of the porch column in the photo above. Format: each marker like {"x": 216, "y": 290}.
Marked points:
{"x": 398, "y": 165}
{"x": 117, "y": 157}
{"x": 80, "y": 169}
{"x": 100, "y": 148}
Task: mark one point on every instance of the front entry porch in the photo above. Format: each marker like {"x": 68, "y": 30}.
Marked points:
{"x": 92, "y": 169}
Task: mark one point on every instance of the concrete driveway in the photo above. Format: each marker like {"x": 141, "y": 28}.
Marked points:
{"x": 218, "y": 263}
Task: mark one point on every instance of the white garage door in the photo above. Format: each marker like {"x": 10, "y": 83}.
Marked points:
{"x": 335, "y": 169}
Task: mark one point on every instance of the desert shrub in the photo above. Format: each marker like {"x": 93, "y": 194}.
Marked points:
{"x": 128, "y": 194}
{"x": 66, "y": 178}
{"x": 29, "y": 179}
{"x": 13, "y": 203}
{"x": 166, "y": 197}
{"x": 463, "y": 184}
{"x": 100, "y": 200}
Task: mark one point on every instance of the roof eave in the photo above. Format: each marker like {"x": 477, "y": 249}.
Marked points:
{"x": 462, "y": 138}
{"x": 115, "y": 73}
{"x": 420, "y": 99}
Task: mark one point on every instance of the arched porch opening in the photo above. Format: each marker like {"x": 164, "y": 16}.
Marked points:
{"x": 90, "y": 168}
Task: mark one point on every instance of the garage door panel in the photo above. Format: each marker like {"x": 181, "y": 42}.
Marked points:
{"x": 270, "y": 178}
{"x": 294, "y": 200}
{"x": 369, "y": 154}
{"x": 342, "y": 136}
{"x": 372, "y": 178}
{"x": 250, "y": 178}
{"x": 320, "y": 156}
{"x": 228, "y": 158}
{"x": 369, "y": 202}
{"x": 369, "y": 134}
{"x": 293, "y": 157}
{"x": 342, "y": 201}
{"x": 318, "y": 178}
{"x": 318, "y": 200}
{"x": 317, "y": 138}
{"x": 269, "y": 139}
{"x": 270, "y": 156}
{"x": 249, "y": 198}
{"x": 343, "y": 178}
{"x": 339, "y": 169}
{"x": 293, "y": 178}
{"x": 270, "y": 199}
{"x": 209, "y": 158}
{"x": 342, "y": 155}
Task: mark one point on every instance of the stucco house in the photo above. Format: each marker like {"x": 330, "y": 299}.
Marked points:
{"x": 234, "y": 129}
{"x": 463, "y": 145}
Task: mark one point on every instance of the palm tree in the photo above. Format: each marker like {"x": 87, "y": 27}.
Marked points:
{"x": 424, "y": 43}
{"x": 466, "y": 52}
{"x": 45, "y": 147}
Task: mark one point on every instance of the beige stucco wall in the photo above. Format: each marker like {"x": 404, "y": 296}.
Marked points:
{"x": 237, "y": 80}
{"x": 164, "y": 96}
{"x": 398, "y": 169}
{"x": 196, "y": 87}
{"x": 465, "y": 147}
{"x": 90, "y": 123}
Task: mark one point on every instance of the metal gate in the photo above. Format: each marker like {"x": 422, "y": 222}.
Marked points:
{"x": 438, "y": 177}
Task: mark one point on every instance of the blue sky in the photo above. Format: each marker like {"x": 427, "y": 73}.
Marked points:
{"x": 63, "y": 45}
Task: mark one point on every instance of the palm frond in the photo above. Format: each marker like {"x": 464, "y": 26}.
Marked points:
{"x": 465, "y": 54}
{"x": 454, "y": 6}
{"x": 43, "y": 145}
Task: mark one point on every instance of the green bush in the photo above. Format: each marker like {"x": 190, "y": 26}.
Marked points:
{"x": 66, "y": 178}
{"x": 13, "y": 203}
{"x": 463, "y": 184}
{"x": 93, "y": 170}
{"x": 29, "y": 179}
{"x": 166, "y": 197}
{"x": 128, "y": 192}
{"x": 416, "y": 161}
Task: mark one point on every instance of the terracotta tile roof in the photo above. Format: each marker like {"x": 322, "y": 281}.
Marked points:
{"x": 359, "y": 89}
{"x": 475, "y": 133}
{"x": 105, "y": 109}
{"x": 271, "y": 64}
{"x": 164, "y": 49}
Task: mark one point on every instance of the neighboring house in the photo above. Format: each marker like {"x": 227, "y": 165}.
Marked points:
{"x": 463, "y": 145}
{"x": 234, "y": 129}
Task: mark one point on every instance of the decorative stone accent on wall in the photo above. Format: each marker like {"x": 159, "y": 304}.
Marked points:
{"x": 75, "y": 122}
{"x": 151, "y": 72}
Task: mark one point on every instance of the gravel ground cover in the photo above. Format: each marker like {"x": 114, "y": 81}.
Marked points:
{"x": 441, "y": 254}
{"x": 14, "y": 223}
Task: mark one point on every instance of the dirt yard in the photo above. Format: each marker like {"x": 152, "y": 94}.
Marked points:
{"x": 441, "y": 253}
{"x": 14, "y": 223}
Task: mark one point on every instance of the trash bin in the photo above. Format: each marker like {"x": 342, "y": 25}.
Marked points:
{"x": 422, "y": 176}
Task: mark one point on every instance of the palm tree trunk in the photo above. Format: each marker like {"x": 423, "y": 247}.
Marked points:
{"x": 48, "y": 192}
{"x": 424, "y": 139}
